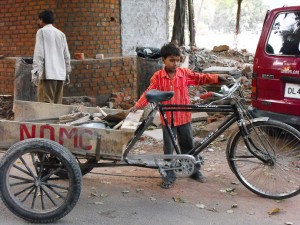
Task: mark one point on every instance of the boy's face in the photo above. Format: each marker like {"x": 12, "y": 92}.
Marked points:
{"x": 172, "y": 62}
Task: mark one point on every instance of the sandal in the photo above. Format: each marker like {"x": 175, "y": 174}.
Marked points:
{"x": 169, "y": 180}
{"x": 166, "y": 184}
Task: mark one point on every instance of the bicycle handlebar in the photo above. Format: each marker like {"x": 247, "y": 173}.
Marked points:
{"x": 210, "y": 94}
{"x": 225, "y": 89}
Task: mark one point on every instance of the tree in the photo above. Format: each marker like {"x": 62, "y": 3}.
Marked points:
{"x": 179, "y": 22}
{"x": 192, "y": 28}
{"x": 238, "y": 16}
{"x": 237, "y": 22}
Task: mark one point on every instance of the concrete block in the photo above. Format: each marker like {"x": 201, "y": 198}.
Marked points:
{"x": 199, "y": 116}
{"x": 213, "y": 126}
{"x": 99, "y": 56}
{"x": 219, "y": 69}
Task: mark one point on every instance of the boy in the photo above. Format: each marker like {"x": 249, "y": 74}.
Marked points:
{"x": 174, "y": 78}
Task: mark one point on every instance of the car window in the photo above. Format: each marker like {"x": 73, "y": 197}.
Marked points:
{"x": 284, "y": 37}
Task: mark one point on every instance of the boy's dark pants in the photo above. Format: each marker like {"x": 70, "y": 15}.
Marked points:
{"x": 184, "y": 135}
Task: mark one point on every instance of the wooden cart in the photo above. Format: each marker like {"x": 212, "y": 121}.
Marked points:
{"x": 41, "y": 170}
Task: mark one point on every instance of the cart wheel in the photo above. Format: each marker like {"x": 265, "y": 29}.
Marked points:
{"x": 28, "y": 184}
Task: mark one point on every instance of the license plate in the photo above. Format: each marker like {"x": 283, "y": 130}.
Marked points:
{"x": 292, "y": 91}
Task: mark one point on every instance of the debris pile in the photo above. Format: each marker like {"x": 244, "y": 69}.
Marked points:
{"x": 201, "y": 59}
{"x": 6, "y": 105}
{"x": 196, "y": 59}
{"x": 79, "y": 100}
{"x": 99, "y": 119}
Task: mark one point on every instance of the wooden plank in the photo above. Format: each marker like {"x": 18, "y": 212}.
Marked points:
{"x": 79, "y": 140}
{"x": 31, "y": 111}
{"x": 132, "y": 120}
{"x": 28, "y": 123}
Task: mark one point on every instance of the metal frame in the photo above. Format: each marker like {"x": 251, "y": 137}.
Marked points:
{"x": 162, "y": 108}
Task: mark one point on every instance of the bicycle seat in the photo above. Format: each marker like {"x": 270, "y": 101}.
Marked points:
{"x": 158, "y": 96}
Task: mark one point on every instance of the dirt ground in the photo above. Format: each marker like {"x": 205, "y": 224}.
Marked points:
{"x": 221, "y": 196}
{"x": 221, "y": 200}
{"x": 131, "y": 195}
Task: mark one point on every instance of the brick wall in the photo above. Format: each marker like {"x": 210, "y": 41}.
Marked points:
{"x": 105, "y": 80}
{"x": 111, "y": 79}
{"x": 91, "y": 26}
{"x": 7, "y": 72}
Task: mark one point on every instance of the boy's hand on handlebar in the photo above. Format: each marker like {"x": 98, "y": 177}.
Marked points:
{"x": 224, "y": 77}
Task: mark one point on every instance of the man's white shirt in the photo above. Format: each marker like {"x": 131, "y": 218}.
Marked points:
{"x": 51, "y": 58}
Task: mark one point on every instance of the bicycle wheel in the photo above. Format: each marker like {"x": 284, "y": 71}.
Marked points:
{"x": 269, "y": 163}
{"x": 29, "y": 186}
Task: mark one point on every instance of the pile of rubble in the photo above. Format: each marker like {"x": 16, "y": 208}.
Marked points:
{"x": 99, "y": 119}
{"x": 6, "y": 105}
{"x": 196, "y": 59}
{"x": 200, "y": 59}
{"x": 240, "y": 64}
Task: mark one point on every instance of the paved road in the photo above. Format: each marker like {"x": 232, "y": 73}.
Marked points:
{"x": 132, "y": 196}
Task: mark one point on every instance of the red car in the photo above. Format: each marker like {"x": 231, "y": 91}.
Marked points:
{"x": 276, "y": 67}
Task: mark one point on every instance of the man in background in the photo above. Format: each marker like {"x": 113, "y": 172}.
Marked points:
{"x": 51, "y": 60}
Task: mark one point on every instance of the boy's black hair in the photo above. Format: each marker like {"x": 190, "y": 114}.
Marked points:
{"x": 47, "y": 17}
{"x": 169, "y": 49}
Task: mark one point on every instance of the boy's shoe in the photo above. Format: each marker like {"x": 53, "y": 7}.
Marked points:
{"x": 169, "y": 180}
{"x": 166, "y": 184}
{"x": 198, "y": 177}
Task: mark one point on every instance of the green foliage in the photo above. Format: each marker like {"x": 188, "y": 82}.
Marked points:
{"x": 252, "y": 15}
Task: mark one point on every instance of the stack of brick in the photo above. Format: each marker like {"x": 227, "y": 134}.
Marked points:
{"x": 122, "y": 100}
{"x": 91, "y": 27}
{"x": 100, "y": 78}
{"x": 7, "y": 76}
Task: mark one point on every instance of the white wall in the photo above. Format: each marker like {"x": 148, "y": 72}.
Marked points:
{"x": 144, "y": 23}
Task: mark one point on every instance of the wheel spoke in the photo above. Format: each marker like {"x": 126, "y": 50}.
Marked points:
{"x": 42, "y": 198}
{"x": 32, "y": 186}
{"x": 25, "y": 180}
{"x": 20, "y": 183}
{"x": 29, "y": 193}
{"x": 57, "y": 193}
{"x": 56, "y": 186}
{"x": 22, "y": 170}
{"x": 50, "y": 174}
{"x": 42, "y": 162}
{"x": 277, "y": 178}
{"x": 25, "y": 189}
{"x": 48, "y": 195}
{"x": 34, "y": 162}
{"x": 27, "y": 167}
{"x": 34, "y": 198}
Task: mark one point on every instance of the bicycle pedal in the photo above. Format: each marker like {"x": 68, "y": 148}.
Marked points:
{"x": 162, "y": 172}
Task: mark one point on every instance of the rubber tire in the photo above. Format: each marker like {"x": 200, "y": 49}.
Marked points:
{"x": 246, "y": 183}
{"x": 38, "y": 145}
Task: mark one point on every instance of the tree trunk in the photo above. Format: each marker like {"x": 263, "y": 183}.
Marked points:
{"x": 179, "y": 23}
{"x": 238, "y": 15}
{"x": 237, "y": 24}
{"x": 192, "y": 28}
